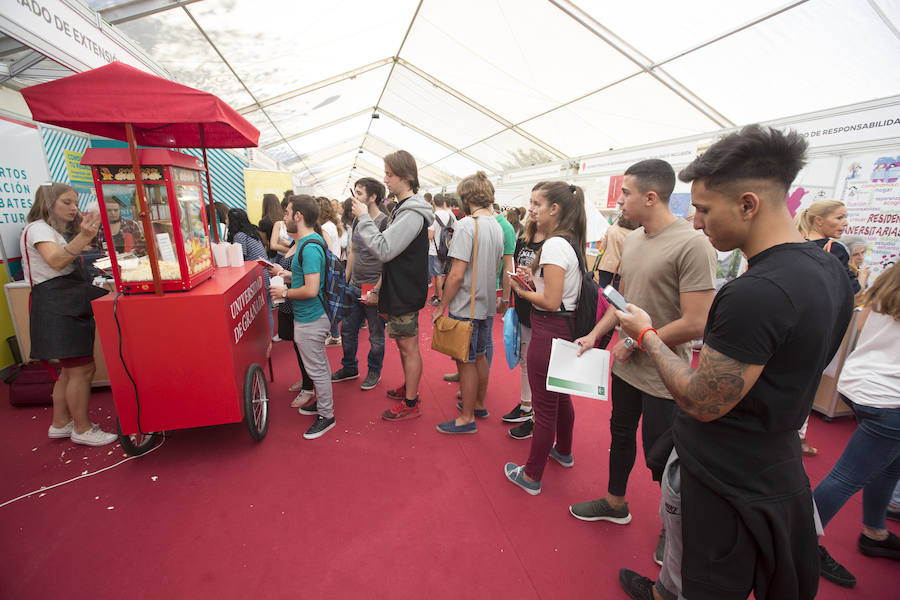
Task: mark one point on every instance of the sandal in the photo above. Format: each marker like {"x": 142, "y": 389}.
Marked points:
{"x": 807, "y": 450}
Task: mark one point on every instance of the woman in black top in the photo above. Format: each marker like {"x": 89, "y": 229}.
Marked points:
{"x": 271, "y": 213}
{"x": 527, "y": 247}
{"x": 823, "y": 223}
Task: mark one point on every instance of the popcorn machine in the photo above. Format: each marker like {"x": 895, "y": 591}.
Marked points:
{"x": 172, "y": 237}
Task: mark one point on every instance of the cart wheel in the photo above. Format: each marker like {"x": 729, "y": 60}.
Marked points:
{"x": 256, "y": 402}
{"x": 136, "y": 443}
{"x": 827, "y": 419}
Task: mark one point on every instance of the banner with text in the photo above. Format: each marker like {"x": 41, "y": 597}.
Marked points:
{"x": 871, "y": 191}
{"x": 22, "y": 170}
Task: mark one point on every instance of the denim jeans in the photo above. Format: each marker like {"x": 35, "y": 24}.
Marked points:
{"x": 350, "y": 325}
{"x": 871, "y": 462}
{"x": 481, "y": 338}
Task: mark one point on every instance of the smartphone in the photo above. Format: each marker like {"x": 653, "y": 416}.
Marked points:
{"x": 518, "y": 278}
{"x": 615, "y": 298}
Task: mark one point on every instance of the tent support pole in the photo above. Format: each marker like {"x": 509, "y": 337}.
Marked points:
{"x": 145, "y": 214}
{"x": 214, "y": 231}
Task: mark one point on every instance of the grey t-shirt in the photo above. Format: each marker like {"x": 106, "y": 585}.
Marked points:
{"x": 366, "y": 268}
{"x": 490, "y": 252}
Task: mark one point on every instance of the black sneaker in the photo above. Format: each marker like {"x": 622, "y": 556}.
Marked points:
{"x": 886, "y": 548}
{"x": 635, "y": 585}
{"x": 523, "y": 431}
{"x": 343, "y": 374}
{"x": 370, "y": 381}
{"x": 318, "y": 428}
{"x": 517, "y": 415}
{"x": 600, "y": 510}
{"x": 834, "y": 571}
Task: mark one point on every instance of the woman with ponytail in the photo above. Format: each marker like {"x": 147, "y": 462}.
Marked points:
{"x": 823, "y": 223}
{"x": 557, "y": 210}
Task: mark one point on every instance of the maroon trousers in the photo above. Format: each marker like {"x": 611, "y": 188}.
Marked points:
{"x": 554, "y": 416}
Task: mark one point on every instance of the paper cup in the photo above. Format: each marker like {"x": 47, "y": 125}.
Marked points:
{"x": 235, "y": 255}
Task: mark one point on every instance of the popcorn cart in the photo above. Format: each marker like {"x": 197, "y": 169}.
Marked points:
{"x": 172, "y": 186}
{"x": 177, "y": 359}
{"x": 189, "y": 353}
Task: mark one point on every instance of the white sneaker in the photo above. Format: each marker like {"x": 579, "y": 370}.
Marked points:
{"x": 302, "y": 398}
{"x": 61, "y": 432}
{"x": 332, "y": 341}
{"x": 275, "y": 338}
{"x": 94, "y": 437}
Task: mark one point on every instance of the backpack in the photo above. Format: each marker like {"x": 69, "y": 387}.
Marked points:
{"x": 335, "y": 293}
{"x": 442, "y": 245}
{"x": 584, "y": 317}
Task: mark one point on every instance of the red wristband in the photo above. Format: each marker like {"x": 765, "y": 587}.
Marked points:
{"x": 641, "y": 336}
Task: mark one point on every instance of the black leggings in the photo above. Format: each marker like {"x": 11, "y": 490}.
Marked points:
{"x": 286, "y": 332}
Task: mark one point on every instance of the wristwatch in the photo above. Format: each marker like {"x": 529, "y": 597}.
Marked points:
{"x": 629, "y": 343}
{"x": 284, "y": 295}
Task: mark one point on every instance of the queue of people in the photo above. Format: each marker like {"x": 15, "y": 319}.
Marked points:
{"x": 736, "y": 511}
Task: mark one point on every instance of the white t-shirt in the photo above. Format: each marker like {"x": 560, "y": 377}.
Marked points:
{"x": 446, "y": 218}
{"x": 334, "y": 242}
{"x": 870, "y": 375}
{"x": 33, "y": 264}
{"x": 557, "y": 251}
{"x": 345, "y": 241}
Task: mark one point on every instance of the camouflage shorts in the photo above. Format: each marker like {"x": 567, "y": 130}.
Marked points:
{"x": 403, "y": 326}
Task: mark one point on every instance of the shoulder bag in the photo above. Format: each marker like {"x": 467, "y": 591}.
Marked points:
{"x": 451, "y": 336}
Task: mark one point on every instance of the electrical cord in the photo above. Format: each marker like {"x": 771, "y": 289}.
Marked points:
{"x": 124, "y": 366}
{"x": 55, "y": 485}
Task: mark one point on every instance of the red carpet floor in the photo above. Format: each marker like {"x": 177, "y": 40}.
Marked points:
{"x": 370, "y": 510}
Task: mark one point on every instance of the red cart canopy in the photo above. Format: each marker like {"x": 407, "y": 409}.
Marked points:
{"x": 162, "y": 112}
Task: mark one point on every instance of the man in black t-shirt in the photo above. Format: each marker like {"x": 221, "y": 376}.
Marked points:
{"x": 746, "y": 506}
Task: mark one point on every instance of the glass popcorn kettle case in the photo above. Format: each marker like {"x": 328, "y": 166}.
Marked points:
{"x": 177, "y": 219}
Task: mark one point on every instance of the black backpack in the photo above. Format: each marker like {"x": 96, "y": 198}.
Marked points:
{"x": 442, "y": 245}
{"x": 584, "y": 317}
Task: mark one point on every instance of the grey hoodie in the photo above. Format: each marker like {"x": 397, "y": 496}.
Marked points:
{"x": 403, "y": 251}
{"x": 402, "y": 230}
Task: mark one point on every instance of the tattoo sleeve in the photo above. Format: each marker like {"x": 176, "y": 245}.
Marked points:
{"x": 708, "y": 393}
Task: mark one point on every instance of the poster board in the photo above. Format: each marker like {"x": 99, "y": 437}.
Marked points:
{"x": 22, "y": 170}
{"x": 258, "y": 182}
{"x": 870, "y": 188}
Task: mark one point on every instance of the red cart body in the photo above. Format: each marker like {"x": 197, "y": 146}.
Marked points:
{"x": 189, "y": 353}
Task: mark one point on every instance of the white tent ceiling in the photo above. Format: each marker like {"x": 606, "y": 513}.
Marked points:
{"x": 502, "y": 84}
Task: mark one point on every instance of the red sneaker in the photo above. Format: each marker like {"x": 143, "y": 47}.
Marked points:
{"x": 401, "y": 412}
{"x": 398, "y": 393}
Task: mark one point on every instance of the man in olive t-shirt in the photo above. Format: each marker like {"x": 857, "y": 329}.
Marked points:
{"x": 670, "y": 270}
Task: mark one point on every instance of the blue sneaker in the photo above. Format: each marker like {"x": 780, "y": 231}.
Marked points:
{"x": 452, "y": 427}
{"x": 481, "y": 413}
{"x": 516, "y": 474}
{"x": 566, "y": 460}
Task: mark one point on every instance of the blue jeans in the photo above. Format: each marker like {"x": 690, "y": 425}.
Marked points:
{"x": 353, "y": 320}
{"x": 481, "y": 342}
{"x": 871, "y": 462}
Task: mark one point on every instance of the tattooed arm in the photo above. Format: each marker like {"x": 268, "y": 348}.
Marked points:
{"x": 706, "y": 394}
{"x": 712, "y": 390}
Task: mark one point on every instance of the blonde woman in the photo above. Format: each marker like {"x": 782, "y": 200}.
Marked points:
{"x": 823, "y": 223}
{"x": 61, "y": 320}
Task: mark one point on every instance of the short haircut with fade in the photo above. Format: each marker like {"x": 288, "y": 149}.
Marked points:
{"x": 654, "y": 175}
{"x": 752, "y": 153}
{"x": 373, "y": 187}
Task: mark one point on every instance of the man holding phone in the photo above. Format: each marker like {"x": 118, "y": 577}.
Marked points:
{"x": 669, "y": 269}
{"x": 746, "y": 508}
